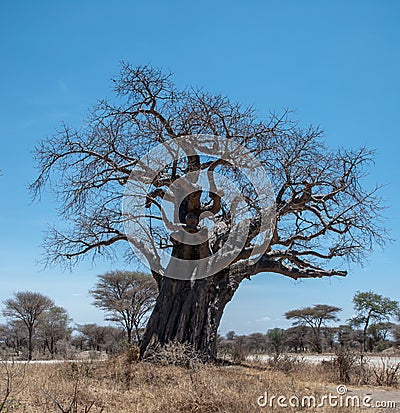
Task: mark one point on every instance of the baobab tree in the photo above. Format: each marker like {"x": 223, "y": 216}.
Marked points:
{"x": 312, "y": 209}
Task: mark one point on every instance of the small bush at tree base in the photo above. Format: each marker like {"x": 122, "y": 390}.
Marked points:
{"x": 175, "y": 354}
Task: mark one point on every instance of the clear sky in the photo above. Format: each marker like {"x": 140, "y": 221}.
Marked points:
{"x": 336, "y": 64}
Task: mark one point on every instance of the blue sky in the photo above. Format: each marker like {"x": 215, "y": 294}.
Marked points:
{"x": 336, "y": 64}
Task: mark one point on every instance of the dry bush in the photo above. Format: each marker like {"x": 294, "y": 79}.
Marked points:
{"x": 12, "y": 376}
{"x": 174, "y": 354}
{"x": 352, "y": 368}
{"x": 347, "y": 367}
{"x": 345, "y": 363}
{"x": 387, "y": 374}
{"x": 124, "y": 364}
{"x": 286, "y": 364}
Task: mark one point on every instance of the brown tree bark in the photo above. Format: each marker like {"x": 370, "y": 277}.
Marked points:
{"x": 189, "y": 311}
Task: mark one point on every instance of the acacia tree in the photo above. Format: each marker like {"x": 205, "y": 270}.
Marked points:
{"x": 54, "y": 325}
{"x": 378, "y": 335}
{"x": 372, "y": 308}
{"x": 230, "y": 335}
{"x": 127, "y": 297}
{"x": 296, "y": 338}
{"x": 14, "y": 335}
{"x": 315, "y": 317}
{"x": 98, "y": 338}
{"x": 323, "y": 210}
{"x": 276, "y": 340}
{"x": 27, "y": 306}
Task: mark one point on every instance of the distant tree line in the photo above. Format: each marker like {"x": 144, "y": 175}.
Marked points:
{"x": 370, "y": 329}
{"x": 36, "y": 327}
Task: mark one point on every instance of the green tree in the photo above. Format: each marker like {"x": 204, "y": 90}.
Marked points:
{"x": 345, "y": 335}
{"x": 378, "y": 334}
{"x": 315, "y": 317}
{"x": 276, "y": 340}
{"x": 127, "y": 297}
{"x": 372, "y": 308}
{"x": 230, "y": 335}
{"x": 28, "y": 307}
{"x": 396, "y": 334}
{"x": 323, "y": 208}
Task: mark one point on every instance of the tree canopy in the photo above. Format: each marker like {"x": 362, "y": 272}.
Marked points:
{"x": 127, "y": 297}
{"x": 323, "y": 211}
{"x": 370, "y": 308}
{"x": 27, "y": 306}
{"x": 315, "y": 317}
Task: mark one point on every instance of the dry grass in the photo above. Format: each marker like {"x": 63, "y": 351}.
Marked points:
{"x": 116, "y": 386}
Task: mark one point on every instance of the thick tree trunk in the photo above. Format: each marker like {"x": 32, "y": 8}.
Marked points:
{"x": 190, "y": 312}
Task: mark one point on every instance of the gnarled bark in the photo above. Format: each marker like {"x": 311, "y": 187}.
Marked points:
{"x": 190, "y": 311}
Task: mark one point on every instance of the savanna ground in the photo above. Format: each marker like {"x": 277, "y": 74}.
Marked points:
{"x": 119, "y": 385}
